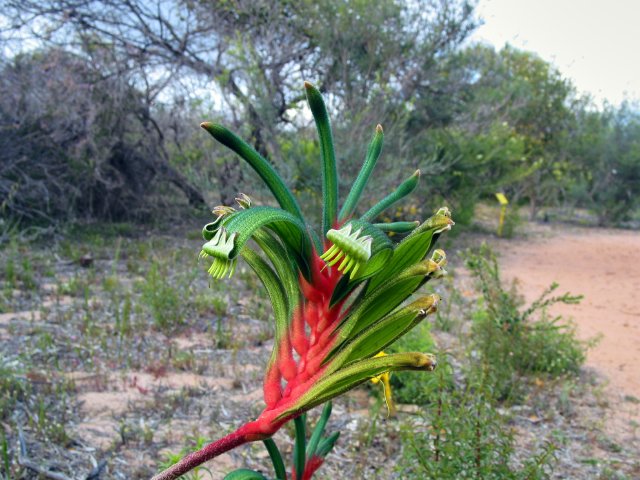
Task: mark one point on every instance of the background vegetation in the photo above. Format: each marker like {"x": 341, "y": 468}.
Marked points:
{"x": 100, "y": 102}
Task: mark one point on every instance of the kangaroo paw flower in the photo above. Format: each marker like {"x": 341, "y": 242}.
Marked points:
{"x": 339, "y": 295}
{"x": 220, "y": 247}
{"x": 352, "y": 248}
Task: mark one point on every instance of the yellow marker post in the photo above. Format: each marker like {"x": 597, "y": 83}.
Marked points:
{"x": 503, "y": 211}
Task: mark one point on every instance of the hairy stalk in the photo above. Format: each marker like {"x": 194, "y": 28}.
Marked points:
{"x": 239, "y": 437}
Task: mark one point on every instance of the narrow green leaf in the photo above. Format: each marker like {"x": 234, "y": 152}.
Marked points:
{"x": 299, "y": 448}
{"x": 373, "y": 153}
{"x": 329, "y": 172}
{"x": 276, "y": 458}
{"x": 262, "y": 167}
{"x": 326, "y": 445}
{"x": 245, "y": 474}
{"x": 404, "y": 189}
{"x": 352, "y": 375}
{"x": 318, "y": 431}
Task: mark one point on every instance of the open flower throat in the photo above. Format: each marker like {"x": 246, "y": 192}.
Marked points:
{"x": 340, "y": 296}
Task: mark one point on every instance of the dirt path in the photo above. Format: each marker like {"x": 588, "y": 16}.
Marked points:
{"x": 604, "y": 266}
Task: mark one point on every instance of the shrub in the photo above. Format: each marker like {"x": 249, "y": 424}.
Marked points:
{"x": 512, "y": 342}
{"x": 462, "y": 436}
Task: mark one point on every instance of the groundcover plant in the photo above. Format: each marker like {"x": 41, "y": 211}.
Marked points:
{"x": 339, "y": 296}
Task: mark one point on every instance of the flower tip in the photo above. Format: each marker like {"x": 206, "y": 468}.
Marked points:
{"x": 416, "y": 173}
{"x": 379, "y": 129}
{"x": 428, "y": 362}
{"x": 308, "y": 85}
{"x": 243, "y": 200}
{"x": 206, "y": 125}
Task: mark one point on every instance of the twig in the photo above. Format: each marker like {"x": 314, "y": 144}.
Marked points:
{"x": 97, "y": 471}
{"x": 25, "y": 462}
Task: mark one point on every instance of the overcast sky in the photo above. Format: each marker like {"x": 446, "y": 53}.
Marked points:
{"x": 595, "y": 43}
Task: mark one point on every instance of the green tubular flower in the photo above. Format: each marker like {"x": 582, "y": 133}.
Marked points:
{"x": 339, "y": 296}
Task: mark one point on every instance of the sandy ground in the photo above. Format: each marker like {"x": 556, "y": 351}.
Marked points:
{"x": 604, "y": 266}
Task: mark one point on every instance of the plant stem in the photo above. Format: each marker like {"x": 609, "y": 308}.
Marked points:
{"x": 276, "y": 459}
{"x": 300, "y": 445}
{"x": 239, "y": 437}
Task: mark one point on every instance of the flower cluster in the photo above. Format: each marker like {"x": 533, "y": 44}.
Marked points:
{"x": 339, "y": 296}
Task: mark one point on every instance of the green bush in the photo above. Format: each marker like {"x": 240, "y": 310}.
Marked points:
{"x": 461, "y": 435}
{"x": 511, "y": 342}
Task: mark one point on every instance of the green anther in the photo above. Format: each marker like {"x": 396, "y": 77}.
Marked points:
{"x": 353, "y": 249}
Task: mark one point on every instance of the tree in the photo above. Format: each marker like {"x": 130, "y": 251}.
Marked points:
{"x": 77, "y": 142}
{"x": 605, "y": 153}
{"x": 256, "y": 54}
{"x": 529, "y": 94}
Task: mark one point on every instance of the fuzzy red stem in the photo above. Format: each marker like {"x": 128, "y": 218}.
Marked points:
{"x": 243, "y": 435}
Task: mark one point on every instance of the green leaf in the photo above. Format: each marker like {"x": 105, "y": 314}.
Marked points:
{"x": 318, "y": 431}
{"x": 352, "y": 375}
{"x": 276, "y": 458}
{"x": 262, "y": 167}
{"x": 404, "y": 189}
{"x": 299, "y": 448}
{"x": 373, "y": 153}
{"x": 245, "y": 474}
{"x": 329, "y": 172}
{"x": 326, "y": 445}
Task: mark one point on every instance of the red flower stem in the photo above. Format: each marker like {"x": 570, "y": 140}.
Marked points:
{"x": 241, "y": 436}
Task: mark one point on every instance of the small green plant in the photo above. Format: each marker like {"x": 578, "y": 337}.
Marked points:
{"x": 516, "y": 341}
{"x": 417, "y": 389}
{"x": 163, "y": 296}
{"x": 462, "y": 436}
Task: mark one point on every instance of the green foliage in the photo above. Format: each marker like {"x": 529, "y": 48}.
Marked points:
{"x": 511, "y": 341}
{"x": 606, "y": 177}
{"x": 475, "y": 164}
{"x": 415, "y": 389}
{"x": 14, "y": 387}
{"x": 163, "y": 295}
{"x": 171, "y": 458}
{"x": 462, "y": 436}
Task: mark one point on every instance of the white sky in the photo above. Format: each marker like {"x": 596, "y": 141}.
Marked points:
{"x": 595, "y": 43}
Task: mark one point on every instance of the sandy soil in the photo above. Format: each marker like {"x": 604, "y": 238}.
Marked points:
{"x": 602, "y": 265}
